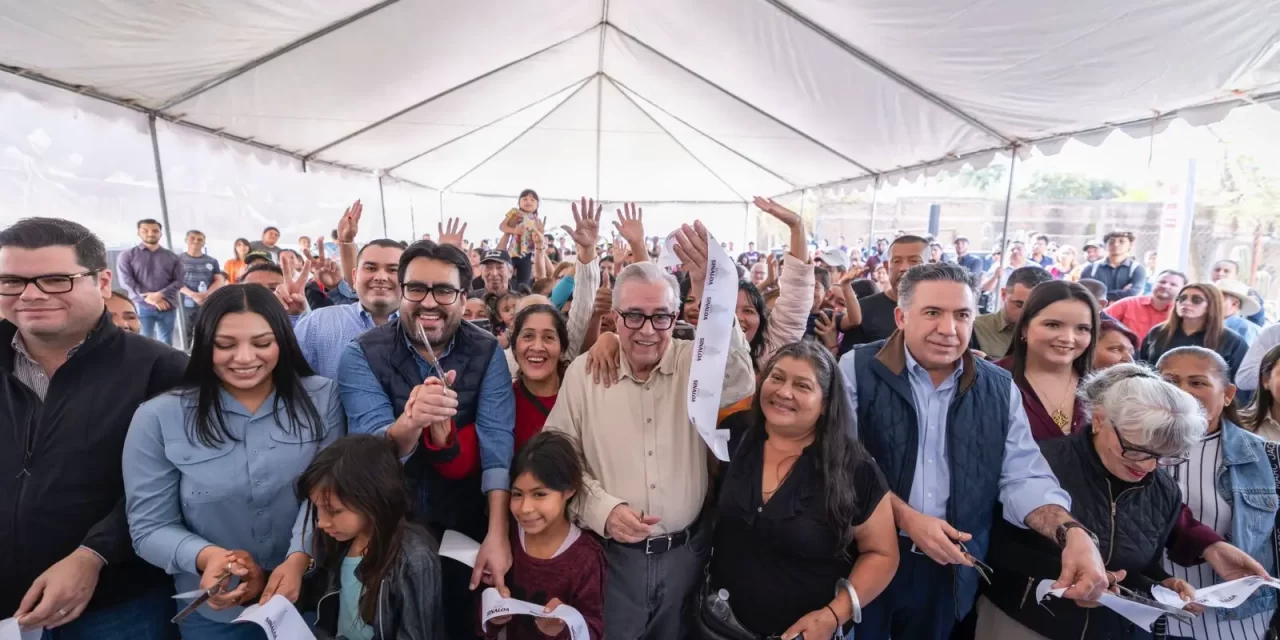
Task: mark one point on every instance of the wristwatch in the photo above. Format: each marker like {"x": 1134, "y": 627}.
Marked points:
{"x": 1060, "y": 536}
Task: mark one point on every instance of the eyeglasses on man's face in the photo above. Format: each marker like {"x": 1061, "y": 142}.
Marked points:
{"x": 442, "y": 293}
{"x": 635, "y": 320}
{"x": 51, "y": 284}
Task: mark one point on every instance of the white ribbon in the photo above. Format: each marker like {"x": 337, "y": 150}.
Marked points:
{"x": 710, "y": 342}
{"x": 496, "y": 606}
{"x": 278, "y": 618}
{"x": 1227, "y": 595}
{"x": 1136, "y": 612}
{"x": 459, "y": 547}
{"x": 9, "y": 630}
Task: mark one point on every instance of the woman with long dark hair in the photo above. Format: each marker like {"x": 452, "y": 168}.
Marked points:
{"x": 1053, "y": 348}
{"x": 1263, "y": 414}
{"x": 381, "y": 574}
{"x": 209, "y": 467}
{"x": 236, "y": 265}
{"x": 1197, "y": 319}
{"x": 803, "y": 507}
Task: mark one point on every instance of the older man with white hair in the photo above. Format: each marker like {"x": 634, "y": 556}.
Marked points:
{"x": 648, "y": 465}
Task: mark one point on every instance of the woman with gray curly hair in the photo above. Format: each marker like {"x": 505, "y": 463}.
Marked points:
{"x": 1139, "y": 423}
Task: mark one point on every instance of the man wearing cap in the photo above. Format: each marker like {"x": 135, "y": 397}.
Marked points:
{"x": 1092, "y": 251}
{"x": 1123, "y": 275}
{"x": 832, "y": 260}
{"x": 1224, "y": 269}
{"x": 965, "y": 259}
{"x": 267, "y": 245}
{"x": 496, "y": 271}
{"x": 1238, "y": 306}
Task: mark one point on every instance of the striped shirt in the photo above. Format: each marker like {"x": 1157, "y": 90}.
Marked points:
{"x": 1198, "y": 480}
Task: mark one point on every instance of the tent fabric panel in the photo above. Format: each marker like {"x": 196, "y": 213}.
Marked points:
{"x": 472, "y": 106}
{"x": 448, "y": 163}
{"x": 1031, "y": 69}
{"x": 720, "y": 115}
{"x": 153, "y": 54}
{"x": 376, "y": 66}
{"x": 768, "y": 58}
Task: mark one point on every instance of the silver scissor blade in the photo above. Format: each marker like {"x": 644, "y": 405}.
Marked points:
{"x": 431, "y": 354}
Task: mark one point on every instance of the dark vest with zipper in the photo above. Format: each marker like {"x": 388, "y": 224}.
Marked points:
{"x": 1132, "y": 537}
{"x": 451, "y": 504}
{"x": 977, "y": 423}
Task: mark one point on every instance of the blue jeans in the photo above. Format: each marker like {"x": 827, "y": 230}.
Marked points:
{"x": 158, "y": 324}
{"x": 198, "y": 627}
{"x": 918, "y": 603}
{"x": 143, "y": 618}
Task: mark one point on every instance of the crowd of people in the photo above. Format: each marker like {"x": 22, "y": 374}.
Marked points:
{"x": 901, "y": 466}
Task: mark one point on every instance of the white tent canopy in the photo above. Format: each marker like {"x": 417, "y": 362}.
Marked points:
{"x": 681, "y": 101}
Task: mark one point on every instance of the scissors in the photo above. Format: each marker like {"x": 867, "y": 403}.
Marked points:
{"x": 1134, "y": 596}
{"x": 431, "y": 355}
{"x": 218, "y": 587}
{"x": 984, "y": 570}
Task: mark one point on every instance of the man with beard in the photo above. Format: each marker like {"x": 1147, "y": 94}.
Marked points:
{"x": 1140, "y": 313}
{"x": 152, "y": 275}
{"x": 877, "y": 310}
{"x": 429, "y": 370}
{"x": 323, "y": 333}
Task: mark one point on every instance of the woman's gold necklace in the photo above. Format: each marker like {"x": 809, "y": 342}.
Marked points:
{"x": 1059, "y": 416}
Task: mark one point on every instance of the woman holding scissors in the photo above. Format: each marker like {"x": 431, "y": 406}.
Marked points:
{"x": 210, "y": 466}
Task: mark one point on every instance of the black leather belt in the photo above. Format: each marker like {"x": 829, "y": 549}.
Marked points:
{"x": 661, "y": 544}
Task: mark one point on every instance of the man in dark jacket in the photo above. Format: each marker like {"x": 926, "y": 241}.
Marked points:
{"x": 69, "y": 384}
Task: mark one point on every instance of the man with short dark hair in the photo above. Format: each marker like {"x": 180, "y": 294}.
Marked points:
{"x": 1141, "y": 313}
{"x": 69, "y": 384}
{"x": 950, "y": 434}
{"x": 993, "y": 332}
{"x": 1121, "y": 272}
{"x": 428, "y": 373}
{"x": 750, "y": 256}
{"x": 1039, "y": 251}
{"x": 877, "y": 310}
{"x": 201, "y": 274}
{"x": 965, "y": 259}
{"x": 152, "y": 275}
{"x": 270, "y": 236}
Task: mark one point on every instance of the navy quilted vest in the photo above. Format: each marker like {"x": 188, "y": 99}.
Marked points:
{"x": 977, "y": 422}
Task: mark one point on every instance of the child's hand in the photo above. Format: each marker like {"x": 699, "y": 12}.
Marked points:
{"x": 550, "y": 626}
{"x": 286, "y": 580}
{"x": 501, "y": 620}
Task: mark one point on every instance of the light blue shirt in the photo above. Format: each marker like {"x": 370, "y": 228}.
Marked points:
{"x": 369, "y": 409}
{"x": 324, "y": 333}
{"x": 182, "y": 496}
{"x": 1026, "y": 481}
{"x": 1245, "y": 327}
{"x": 350, "y": 625}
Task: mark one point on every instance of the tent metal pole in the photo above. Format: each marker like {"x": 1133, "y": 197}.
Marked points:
{"x": 413, "y": 221}
{"x": 164, "y": 200}
{"x": 1004, "y": 228}
{"x": 599, "y": 126}
{"x": 457, "y": 87}
{"x": 622, "y": 85}
{"x": 875, "y": 202}
{"x": 257, "y": 62}
{"x": 486, "y": 125}
{"x": 439, "y": 207}
{"x": 382, "y": 201}
{"x": 753, "y": 107}
{"x": 880, "y": 68}
{"x": 515, "y": 139}
{"x": 678, "y": 143}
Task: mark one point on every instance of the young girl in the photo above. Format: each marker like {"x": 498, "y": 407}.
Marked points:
{"x": 502, "y": 313}
{"x": 381, "y": 575}
{"x": 553, "y": 562}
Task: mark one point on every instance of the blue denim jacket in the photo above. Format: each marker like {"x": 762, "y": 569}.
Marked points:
{"x": 1245, "y": 479}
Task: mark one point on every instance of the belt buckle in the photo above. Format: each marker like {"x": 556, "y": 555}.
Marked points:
{"x": 648, "y": 545}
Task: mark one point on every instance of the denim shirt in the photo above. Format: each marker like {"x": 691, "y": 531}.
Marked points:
{"x": 181, "y": 496}
{"x": 1246, "y": 480}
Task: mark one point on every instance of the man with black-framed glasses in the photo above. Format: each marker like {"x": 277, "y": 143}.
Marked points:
{"x": 70, "y": 381}
{"x": 420, "y": 380}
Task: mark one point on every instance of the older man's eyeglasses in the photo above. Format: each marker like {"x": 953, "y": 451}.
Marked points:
{"x": 661, "y": 321}
{"x": 1138, "y": 454}
{"x": 50, "y": 284}
{"x": 417, "y": 292}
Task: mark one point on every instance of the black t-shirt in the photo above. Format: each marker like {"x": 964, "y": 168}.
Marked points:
{"x": 877, "y": 322}
{"x": 778, "y": 559}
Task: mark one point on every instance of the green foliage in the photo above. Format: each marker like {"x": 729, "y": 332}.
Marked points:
{"x": 1070, "y": 186}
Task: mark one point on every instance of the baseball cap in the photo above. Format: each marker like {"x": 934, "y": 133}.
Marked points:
{"x": 257, "y": 256}
{"x": 833, "y": 257}
{"x": 497, "y": 255}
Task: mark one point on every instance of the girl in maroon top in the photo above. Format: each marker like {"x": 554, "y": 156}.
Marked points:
{"x": 553, "y": 562}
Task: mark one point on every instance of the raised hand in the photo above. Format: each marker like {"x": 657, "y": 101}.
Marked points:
{"x": 451, "y": 233}
{"x": 825, "y": 327}
{"x": 292, "y": 293}
{"x": 586, "y": 225}
{"x": 691, "y": 248}
{"x": 327, "y": 272}
{"x": 630, "y": 224}
{"x": 349, "y": 225}
{"x": 781, "y": 213}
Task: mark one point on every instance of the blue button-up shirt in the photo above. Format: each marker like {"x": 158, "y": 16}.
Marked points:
{"x": 1245, "y": 327}
{"x": 324, "y": 333}
{"x": 1026, "y": 481}
{"x": 182, "y": 496}
{"x": 369, "y": 409}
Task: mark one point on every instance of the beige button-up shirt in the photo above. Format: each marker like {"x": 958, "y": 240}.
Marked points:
{"x": 994, "y": 333}
{"x": 636, "y": 438}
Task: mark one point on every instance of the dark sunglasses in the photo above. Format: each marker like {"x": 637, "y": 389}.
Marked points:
{"x": 1192, "y": 298}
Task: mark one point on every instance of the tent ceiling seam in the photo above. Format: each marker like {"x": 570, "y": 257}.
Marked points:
{"x": 544, "y": 199}
{"x": 517, "y": 138}
{"x": 700, "y": 132}
{"x": 604, "y": 20}
{"x": 735, "y": 96}
{"x": 889, "y": 73}
{"x": 488, "y": 124}
{"x": 271, "y": 55}
{"x": 675, "y": 140}
{"x": 446, "y": 92}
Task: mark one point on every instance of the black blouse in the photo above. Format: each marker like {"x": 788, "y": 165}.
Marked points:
{"x": 778, "y": 560}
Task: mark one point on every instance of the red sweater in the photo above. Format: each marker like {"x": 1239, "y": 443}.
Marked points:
{"x": 460, "y": 457}
{"x": 576, "y": 577}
